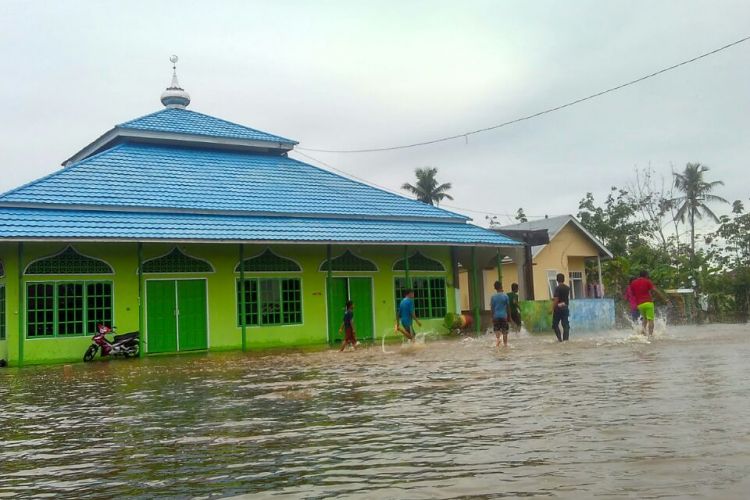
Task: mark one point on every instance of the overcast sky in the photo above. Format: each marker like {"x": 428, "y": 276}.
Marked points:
{"x": 360, "y": 74}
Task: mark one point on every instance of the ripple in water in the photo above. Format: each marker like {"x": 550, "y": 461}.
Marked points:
{"x": 607, "y": 414}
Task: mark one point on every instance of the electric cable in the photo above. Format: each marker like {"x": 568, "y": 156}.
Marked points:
{"x": 466, "y": 135}
{"x": 393, "y": 191}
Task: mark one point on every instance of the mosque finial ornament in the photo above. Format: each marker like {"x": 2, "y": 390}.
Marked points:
{"x": 175, "y": 96}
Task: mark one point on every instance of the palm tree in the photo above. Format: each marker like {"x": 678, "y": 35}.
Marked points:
{"x": 696, "y": 194}
{"x": 427, "y": 189}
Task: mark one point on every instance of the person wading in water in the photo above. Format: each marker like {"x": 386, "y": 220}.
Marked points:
{"x": 347, "y": 326}
{"x": 642, "y": 290}
{"x": 406, "y": 316}
{"x": 560, "y": 311}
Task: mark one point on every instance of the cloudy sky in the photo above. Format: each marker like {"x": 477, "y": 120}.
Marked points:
{"x": 346, "y": 74}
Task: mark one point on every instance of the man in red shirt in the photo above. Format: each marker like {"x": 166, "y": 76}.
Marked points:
{"x": 642, "y": 290}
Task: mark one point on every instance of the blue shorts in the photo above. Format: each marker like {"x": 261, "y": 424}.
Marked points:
{"x": 407, "y": 326}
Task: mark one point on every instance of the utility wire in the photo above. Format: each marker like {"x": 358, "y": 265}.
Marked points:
{"x": 465, "y": 135}
{"x": 392, "y": 191}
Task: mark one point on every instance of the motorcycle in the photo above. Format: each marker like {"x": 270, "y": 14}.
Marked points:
{"x": 125, "y": 345}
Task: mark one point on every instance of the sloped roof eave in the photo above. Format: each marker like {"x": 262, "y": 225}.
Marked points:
{"x": 192, "y": 140}
{"x": 23, "y": 224}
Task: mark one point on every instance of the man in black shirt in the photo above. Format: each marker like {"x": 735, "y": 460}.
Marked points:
{"x": 560, "y": 312}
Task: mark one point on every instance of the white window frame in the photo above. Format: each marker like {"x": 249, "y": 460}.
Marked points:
{"x": 571, "y": 279}
{"x": 551, "y": 282}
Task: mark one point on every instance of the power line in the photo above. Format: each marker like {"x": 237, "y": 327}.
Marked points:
{"x": 392, "y": 191}
{"x": 465, "y": 135}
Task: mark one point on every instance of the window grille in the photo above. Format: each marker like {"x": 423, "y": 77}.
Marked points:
{"x": 419, "y": 262}
{"x": 430, "y": 298}
{"x": 2, "y": 312}
{"x": 576, "y": 284}
{"x": 268, "y": 262}
{"x": 98, "y": 304}
{"x": 67, "y": 308}
{"x": 176, "y": 262}
{"x": 349, "y": 262}
{"x": 69, "y": 262}
{"x": 270, "y": 301}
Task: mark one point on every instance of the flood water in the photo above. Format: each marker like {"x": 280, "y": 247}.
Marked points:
{"x": 608, "y": 414}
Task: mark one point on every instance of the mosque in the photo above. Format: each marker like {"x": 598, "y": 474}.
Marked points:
{"x": 204, "y": 234}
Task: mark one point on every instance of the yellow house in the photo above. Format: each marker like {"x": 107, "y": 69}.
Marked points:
{"x": 570, "y": 247}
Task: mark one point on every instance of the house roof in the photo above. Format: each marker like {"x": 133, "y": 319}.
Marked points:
{"x": 173, "y": 178}
{"x": 183, "y": 121}
{"x": 554, "y": 225}
{"x": 178, "y": 126}
{"x": 92, "y": 225}
{"x": 181, "y": 175}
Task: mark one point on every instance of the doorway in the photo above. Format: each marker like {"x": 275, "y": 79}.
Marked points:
{"x": 359, "y": 291}
{"x": 176, "y": 316}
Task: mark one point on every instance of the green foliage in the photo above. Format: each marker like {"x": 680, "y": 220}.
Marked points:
{"x": 634, "y": 224}
{"x": 615, "y": 223}
{"x": 521, "y": 215}
{"x": 427, "y": 190}
{"x": 696, "y": 194}
{"x": 452, "y": 322}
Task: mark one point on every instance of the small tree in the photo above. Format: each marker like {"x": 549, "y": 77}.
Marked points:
{"x": 521, "y": 216}
{"x": 427, "y": 190}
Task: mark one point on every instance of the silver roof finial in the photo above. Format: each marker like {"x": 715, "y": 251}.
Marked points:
{"x": 175, "y": 96}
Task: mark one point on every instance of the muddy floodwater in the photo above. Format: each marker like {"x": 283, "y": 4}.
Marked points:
{"x": 608, "y": 414}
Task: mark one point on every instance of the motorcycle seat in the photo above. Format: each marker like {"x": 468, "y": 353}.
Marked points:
{"x": 126, "y": 336}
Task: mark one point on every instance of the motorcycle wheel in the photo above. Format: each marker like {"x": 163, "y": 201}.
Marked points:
{"x": 135, "y": 351}
{"x": 90, "y": 353}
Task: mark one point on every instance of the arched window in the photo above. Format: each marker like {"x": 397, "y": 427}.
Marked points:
{"x": 70, "y": 307}
{"x": 349, "y": 262}
{"x": 430, "y": 291}
{"x": 418, "y": 262}
{"x": 176, "y": 262}
{"x": 268, "y": 262}
{"x": 68, "y": 262}
{"x": 269, "y": 301}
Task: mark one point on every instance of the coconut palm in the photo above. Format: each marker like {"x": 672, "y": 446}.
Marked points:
{"x": 427, "y": 189}
{"x": 696, "y": 194}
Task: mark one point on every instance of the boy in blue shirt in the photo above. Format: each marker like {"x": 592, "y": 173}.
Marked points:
{"x": 406, "y": 315}
{"x": 499, "y": 305}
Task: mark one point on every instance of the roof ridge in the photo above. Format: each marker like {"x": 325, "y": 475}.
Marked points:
{"x": 129, "y": 123}
{"x": 141, "y": 117}
{"x": 59, "y": 171}
{"x": 239, "y": 125}
{"x": 461, "y": 216}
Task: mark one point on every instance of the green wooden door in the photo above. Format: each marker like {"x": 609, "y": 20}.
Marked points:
{"x": 337, "y": 296}
{"x": 161, "y": 320}
{"x": 360, "y": 292}
{"x": 191, "y": 315}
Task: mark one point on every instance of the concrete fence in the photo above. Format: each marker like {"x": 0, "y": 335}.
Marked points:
{"x": 585, "y": 314}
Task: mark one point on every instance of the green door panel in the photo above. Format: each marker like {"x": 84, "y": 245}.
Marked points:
{"x": 191, "y": 318}
{"x": 337, "y": 295}
{"x": 161, "y": 319}
{"x": 360, "y": 292}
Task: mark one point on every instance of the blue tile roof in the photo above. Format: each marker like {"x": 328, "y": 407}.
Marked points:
{"x": 28, "y": 223}
{"x": 182, "y": 121}
{"x": 168, "y": 177}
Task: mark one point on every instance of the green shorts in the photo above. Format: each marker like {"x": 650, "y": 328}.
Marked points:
{"x": 647, "y": 310}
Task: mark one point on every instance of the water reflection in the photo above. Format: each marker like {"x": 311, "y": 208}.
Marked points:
{"x": 605, "y": 414}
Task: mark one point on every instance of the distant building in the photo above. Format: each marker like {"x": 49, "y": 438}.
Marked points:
{"x": 204, "y": 234}
{"x": 570, "y": 246}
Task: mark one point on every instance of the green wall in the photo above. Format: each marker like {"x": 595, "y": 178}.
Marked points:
{"x": 223, "y": 331}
